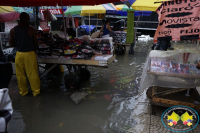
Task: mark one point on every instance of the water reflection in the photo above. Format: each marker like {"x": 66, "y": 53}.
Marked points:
{"x": 108, "y": 107}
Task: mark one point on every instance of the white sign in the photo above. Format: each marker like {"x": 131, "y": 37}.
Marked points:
{"x": 53, "y": 11}
{"x": 44, "y": 26}
{"x": 10, "y": 25}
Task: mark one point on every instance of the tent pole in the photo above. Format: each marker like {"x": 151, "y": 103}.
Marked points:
{"x": 37, "y": 20}
{"x": 124, "y": 23}
{"x": 2, "y": 30}
{"x": 34, "y": 12}
{"x": 89, "y": 23}
{"x": 97, "y": 22}
{"x": 63, "y": 20}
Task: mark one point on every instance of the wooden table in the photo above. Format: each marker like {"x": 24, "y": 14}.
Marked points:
{"x": 168, "y": 97}
{"x": 74, "y": 62}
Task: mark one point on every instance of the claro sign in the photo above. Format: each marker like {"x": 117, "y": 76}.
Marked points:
{"x": 178, "y": 20}
{"x": 53, "y": 11}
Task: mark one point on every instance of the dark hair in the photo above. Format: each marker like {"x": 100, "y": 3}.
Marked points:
{"x": 107, "y": 21}
{"x": 24, "y": 16}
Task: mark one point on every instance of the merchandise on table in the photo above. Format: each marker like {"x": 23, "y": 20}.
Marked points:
{"x": 161, "y": 65}
{"x": 119, "y": 36}
{"x": 102, "y": 45}
{"x": 84, "y": 47}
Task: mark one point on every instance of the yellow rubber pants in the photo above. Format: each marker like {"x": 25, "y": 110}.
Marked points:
{"x": 26, "y": 65}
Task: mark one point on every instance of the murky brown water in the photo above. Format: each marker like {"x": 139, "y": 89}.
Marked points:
{"x": 108, "y": 107}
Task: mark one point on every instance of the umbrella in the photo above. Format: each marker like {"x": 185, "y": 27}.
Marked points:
{"x": 91, "y": 10}
{"x": 123, "y": 7}
{"x": 145, "y": 5}
{"x": 8, "y": 13}
{"x": 86, "y": 10}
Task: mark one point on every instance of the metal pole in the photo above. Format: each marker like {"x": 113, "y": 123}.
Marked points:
{"x": 76, "y": 32}
{"x": 188, "y": 93}
{"x": 37, "y": 20}
{"x": 63, "y": 20}
{"x": 34, "y": 12}
{"x": 89, "y": 23}
{"x": 97, "y": 22}
{"x": 2, "y": 27}
{"x": 124, "y": 23}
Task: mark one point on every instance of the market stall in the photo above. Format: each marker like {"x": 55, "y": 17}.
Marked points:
{"x": 76, "y": 53}
{"x": 171, "y": 77}
{"x": 120, "y": 42}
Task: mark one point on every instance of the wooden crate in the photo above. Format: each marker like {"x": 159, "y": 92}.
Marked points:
{"x": 174, "y": 96}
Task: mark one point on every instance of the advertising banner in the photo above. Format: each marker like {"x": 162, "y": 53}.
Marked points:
{"x": 178, "y": 20}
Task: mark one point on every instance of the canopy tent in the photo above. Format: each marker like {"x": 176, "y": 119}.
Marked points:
{"x": 8, "y": 13}
{"x": 86, "y": 10}
{"x": 144, "y": 5}
{"x": 125, "y": 8}
{"x": 90, "y": 10}
{"x": 27, "y": 3}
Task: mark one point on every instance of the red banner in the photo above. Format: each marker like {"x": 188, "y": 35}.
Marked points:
{"x": 44, "y": 26}
{"x": 178, "y": 20}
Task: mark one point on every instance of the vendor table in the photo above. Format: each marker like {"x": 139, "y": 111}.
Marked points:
{"x": 123, "y": 45}
{"x": 83, "y": 62}
{"x": 118, "y": 45}
{"x": 171, "y": 77}
{"x": 79, "y": 65}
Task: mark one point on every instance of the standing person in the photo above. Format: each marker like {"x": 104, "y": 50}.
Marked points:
{"x": 106, "y": 28}
{"x": 23, "y": 37}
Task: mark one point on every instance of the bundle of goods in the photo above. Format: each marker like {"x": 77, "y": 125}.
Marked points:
{"x": 85, "y": 29}
{"x": 102, "y": 45}
{"x": 50, "y": 45}
{"x": 77, "y": 50}
{"x": 119, "y": 36}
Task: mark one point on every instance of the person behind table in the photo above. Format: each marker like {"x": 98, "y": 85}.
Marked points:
{"x": 198, "y": 65}
{"x": 23, "y": 37}
{"x": 106, "y": 28}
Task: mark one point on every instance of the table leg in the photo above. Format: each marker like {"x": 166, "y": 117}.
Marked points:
{"x": 154, "y": 91}
{"x": 48, "y": 70}
{"x": 131, "y": 51}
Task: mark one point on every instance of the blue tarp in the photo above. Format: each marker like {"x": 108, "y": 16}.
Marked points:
{"x": 87, "y": 27}
{"x": 136, "y": 13}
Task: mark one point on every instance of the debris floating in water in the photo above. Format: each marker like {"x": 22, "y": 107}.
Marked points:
{"x": 115, "y": 60}
{"x": 78, "y": 96}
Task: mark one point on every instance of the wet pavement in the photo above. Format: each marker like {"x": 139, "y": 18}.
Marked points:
{"x": 112, "y": 106}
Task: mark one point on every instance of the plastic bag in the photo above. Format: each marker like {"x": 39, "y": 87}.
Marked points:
{"x": 6, "y": 109}
{"x": 48, "y": 16}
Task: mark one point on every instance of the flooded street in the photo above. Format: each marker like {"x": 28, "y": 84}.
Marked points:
{"x": 107, "y": 109}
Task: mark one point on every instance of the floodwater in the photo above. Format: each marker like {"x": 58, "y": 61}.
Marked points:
{"x": 107, "y": 109}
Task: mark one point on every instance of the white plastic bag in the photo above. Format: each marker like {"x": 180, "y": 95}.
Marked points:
{"x": 6, "y": 109}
